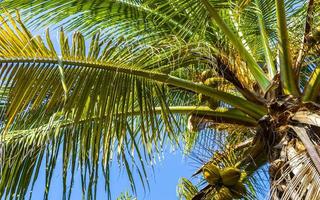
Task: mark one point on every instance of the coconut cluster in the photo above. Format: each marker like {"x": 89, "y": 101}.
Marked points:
{"x": 228, "y": 182}
{"x": 208, "y": 78}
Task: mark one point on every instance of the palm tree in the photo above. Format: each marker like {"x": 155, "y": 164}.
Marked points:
{"x": 156, "y": 72}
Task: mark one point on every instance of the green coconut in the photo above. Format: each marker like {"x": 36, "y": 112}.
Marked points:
{"x": 230, "y": 176}
{"x": 238, "y": 190}
{"x": 223, "y": 193}
{"x": 211, "y": 173}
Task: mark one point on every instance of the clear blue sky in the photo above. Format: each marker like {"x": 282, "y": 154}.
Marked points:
{"x": 163, "y": 181}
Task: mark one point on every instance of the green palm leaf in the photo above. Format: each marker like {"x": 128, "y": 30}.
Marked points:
{"x": 92, "y": 106}
{"x": 151, "y": 67}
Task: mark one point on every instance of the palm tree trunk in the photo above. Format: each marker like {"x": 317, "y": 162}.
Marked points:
{"x": 294, "y": 160}
{"x": 285, "y": 168}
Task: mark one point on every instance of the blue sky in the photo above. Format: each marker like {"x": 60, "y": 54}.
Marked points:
{"x": 163, "y": 180}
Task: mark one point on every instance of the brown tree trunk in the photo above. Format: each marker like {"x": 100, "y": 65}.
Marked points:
{"x": 291, "y": 135}
{"x": 294, "y": 165}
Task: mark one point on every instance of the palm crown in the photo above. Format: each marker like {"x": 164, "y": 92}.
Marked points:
{"x": 155, "y": 72}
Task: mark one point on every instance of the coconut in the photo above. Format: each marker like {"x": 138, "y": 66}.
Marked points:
{"x": 230, "y": 176}
{"x": 238, "y": 190}
{"x": 211, "y": 173}
{"x": 223, "y": 193}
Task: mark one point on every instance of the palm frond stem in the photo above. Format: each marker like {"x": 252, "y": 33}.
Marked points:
{"x": 250, "y": 108}
{"x": 219, "y": 116}
{"x": 266, "y": 47}
{"x": 310, "y": 147}
{"x": 254, "y": 68}
{"x": 312, "y": 88}
{"x": 307, "y": 30}
{"x": 288, "y": 78}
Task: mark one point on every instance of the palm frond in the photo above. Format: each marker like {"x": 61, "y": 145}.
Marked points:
{"x": 132, "y": 90}
{"x": 186, "y": 190}
{"x": 301, "y": 176}
{"x": 91, "y": 105}
{"x": 286, "y": 64}
{"x": 125, "y": 196}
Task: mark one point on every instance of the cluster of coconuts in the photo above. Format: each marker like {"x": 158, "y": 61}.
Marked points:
{"x": 208, "y": 78}
{"x": 314, "y": 37}
{"x": 227, "y": 181}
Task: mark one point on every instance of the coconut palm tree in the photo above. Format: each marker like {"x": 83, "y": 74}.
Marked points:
{"x": 238, "y": 81}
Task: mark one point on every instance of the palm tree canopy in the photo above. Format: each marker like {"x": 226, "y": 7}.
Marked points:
{"x": 137, "y": 75}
